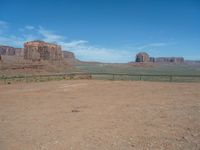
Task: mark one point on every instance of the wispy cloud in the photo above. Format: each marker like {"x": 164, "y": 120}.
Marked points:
{"x": 157, "y": 44}
{"x": 83, "y": 49}
{"x": 29, "y": 27}
{"x": 3, "y": 23}
{"x": 88, "y": 52}
{"x": 151, "y": 45}
{"x": 49, "y": 36}
{"x": 12, "y": 41}
{"x": 3, "y": 26}
{"x": 72, "y": 44}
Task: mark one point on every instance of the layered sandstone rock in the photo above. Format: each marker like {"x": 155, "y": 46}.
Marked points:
{"x": 142, "y": 57}
{"x": 68, "y": 55}
{"x": 40, "y": 50}
{"x": 169, "y": 59}
{"x": 10, "y": 54}
{"x": 7, "y": 50}
{"x": 19, "y": 52}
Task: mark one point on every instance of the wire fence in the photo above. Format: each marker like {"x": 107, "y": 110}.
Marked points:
{"x": 99, "y": 76}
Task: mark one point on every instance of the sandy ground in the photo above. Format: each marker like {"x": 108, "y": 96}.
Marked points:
{"x": 100, "y": 115}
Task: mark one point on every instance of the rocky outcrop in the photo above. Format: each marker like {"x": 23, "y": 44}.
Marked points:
{"x": 7, "y": 50}
{"x": 68, "y": 55}
{"x": 19, "y": 52}
{"x": 40, "y": 50}
{"x": 142, "y": 57}
{"x": 169, "y": 59}
{"x": 152, "y": 59}
{"x": 10, "y": 54}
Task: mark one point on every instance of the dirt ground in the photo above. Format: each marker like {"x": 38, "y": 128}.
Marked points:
{"x": 100, "y": 115}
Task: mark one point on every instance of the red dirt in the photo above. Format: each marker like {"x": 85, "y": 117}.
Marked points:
{"x": 98, "y": 115}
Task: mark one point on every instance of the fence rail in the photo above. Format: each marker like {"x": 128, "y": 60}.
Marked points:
{"x": 157, "y": 76}
{"x": 106, "y": 76}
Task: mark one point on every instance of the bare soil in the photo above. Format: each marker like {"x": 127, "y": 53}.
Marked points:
{"x": 100, "y": 115}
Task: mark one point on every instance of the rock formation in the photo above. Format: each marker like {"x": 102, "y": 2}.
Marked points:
{"x": 142, "y": 57}
{"x": 68, "y": 55}
{"x": 40, "y": 50}
{"x": 10, "y": 54}
{"x": 169, "y": 59}
{"x": 19, "y": 52}
{"x": 7, "y": 50}
{"x": 152, "y": 59}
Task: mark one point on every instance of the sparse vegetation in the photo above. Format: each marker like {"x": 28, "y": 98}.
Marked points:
{"x": 160, "y": 69}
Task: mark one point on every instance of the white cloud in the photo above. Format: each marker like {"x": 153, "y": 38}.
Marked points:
{"x": 12, "y": 41}
{"x": 85, "y": 51}
{"x": 74, "y": 43}
{"x": 3, "y": 26}
{"x": 157, "y": 44}
{"x": 146, "y": 46}
{"x": 49, "y": 36}
{"x": 29, "y": 27}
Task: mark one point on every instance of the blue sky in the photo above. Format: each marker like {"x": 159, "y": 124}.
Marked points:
{"x": 105, "y": 30}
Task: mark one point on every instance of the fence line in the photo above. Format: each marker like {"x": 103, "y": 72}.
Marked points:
{"x": 170, "y": 77}
{"x": 91, "y": 76}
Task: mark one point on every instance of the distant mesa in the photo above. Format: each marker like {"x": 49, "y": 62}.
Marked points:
{"x": 68, "y": 55}
{"x": 10, "y": 54}
{"x": 169, "y": 59}
{"x": 144, "y": 57}
{"x": 7, "y": 50}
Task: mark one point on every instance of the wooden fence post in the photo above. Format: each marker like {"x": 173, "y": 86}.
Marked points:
{"x": 26, "y": 78}
{"x": 113, "y": 76}
{"x": 171, "y": 78}
{"x": 140, "y": 77}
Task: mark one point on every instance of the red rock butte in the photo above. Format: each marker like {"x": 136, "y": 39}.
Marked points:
{"x": 40, "y": 50}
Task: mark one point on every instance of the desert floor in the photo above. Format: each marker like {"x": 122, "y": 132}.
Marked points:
{"x": 100, "y": 115}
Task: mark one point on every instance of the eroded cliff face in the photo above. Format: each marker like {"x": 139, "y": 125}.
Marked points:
{"x": 40, "y": 50}
{"x": 68, "y": 55}
{"x": 10, "y": 54}
{"x": 169, "y": 59}
{"x": 142, "y": 57}
{"x": 7, "y": 50}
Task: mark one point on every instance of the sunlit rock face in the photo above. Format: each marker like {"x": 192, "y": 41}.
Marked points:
{"x": 40, "y": 50}
{"x": 144, "y": 57}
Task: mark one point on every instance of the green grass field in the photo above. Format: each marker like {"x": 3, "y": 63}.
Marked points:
{"x": 160, "y": 69}
{"x": 153, "y": 69}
